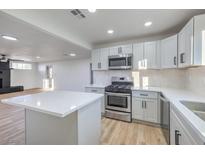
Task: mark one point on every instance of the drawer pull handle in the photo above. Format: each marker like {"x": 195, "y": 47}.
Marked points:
{"x": 94, "y": 90}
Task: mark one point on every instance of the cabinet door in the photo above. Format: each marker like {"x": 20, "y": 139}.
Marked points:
{"x": 127, "y": 49}
{"x": 199, "y": 38}
{"x": 150, "y": 111}
{"x": 113, "y": 51}
{"x": 138, "y": 55}
{"x": 189, "y": 43}
{"x": 174, "y": 130}
{"x": 137, "y": 109}
{"x": 150, "y": 58}
{"x": 181, "y": 47}
{"x": 95, "y": 59}
{"x": 178, "y": 133}
{"x": 104, "y": 58}
{"x": 185, "y": 50}
{"x": 98, "y": 91}
{"x": 169, "y": 52}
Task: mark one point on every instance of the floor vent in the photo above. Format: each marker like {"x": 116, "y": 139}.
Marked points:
{"x": 78, "y": 13}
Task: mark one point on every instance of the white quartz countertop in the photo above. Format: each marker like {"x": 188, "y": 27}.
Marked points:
{"x": 56, "y": 103}
{"x": 96, "y": 86}
{"x": 177, "y": 95}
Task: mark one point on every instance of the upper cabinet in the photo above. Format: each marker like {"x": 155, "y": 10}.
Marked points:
{"x": 138, "y": 55}
{"x": 123, "y": 49}
{"x": 169, "y": 52}
{"x": 191, "y": 48}
{"x": 100, "y": 59}
{"x": 152, "y": 55}
{"x": 185, "y": 46}
{"x": 199, "y": 40}
{"x": 146, "y": 55}
{"x": 186, "y": 49}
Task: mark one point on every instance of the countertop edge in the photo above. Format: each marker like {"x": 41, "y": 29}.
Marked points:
{"x": 5, "y": 101}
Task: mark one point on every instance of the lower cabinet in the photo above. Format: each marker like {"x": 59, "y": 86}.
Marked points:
{"x": 145, "y": 109}
{"x": 179, "y": 135}
{"x": 98, "y": 91}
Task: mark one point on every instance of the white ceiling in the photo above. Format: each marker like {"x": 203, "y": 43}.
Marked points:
{"x": 34, "y": 42}
{"x": 90, "y": 32}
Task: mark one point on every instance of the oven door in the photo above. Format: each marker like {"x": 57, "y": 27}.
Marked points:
{"x": 118, "y": 101}
{"x": 118, "y": 62}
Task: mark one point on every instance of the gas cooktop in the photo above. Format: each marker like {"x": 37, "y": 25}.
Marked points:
{"x": 119, "y": 85}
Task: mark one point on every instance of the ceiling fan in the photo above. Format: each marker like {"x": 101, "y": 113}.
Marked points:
{"x": 4, "y": 58}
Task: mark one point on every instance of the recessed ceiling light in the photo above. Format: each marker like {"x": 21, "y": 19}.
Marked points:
{"x": 110, "y": 31}
{"x": 9, "y": 37}
{"x": 148, "y": 23}
{"x": 92, "y": 10}
{"x": 38, "y": 57}
{"x": 72, "y": 54}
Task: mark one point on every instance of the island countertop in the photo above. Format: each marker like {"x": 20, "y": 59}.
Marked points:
{"x": 56, "y": 103}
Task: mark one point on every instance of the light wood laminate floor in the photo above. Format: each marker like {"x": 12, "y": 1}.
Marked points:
{"x": 113, "y": 131}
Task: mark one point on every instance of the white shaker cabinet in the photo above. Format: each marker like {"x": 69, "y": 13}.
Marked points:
{"x": 98, "y": 91}
{"x": 179, "y": 135}
{"x": 146, "y": 55}
{"x": 95, "y": 56}
{"x": 113, "y": 51}
{"x": 138, "y": 55}
{"x": 150, "y": 49}
{"x": 137, "y": 108}
{"x": 152, "y": 54}
{"x": 145, "y": 106}
{"x": 100, "y": 59}
{"x": 199, "y": 40}
{"x": 185, "y": 45}
{"x": 104, "y": 58}
{"x": 191, "y": 50}
{"x": 169, "y": 52}
{"x": 150, "y": 112}
{"x": 122, "y": 49}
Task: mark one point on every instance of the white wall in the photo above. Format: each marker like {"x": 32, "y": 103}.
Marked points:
{"x": 68, "y": 75}
{"x": 27, "y": 78}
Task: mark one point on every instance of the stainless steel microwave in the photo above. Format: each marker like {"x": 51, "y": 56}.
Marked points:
{"x": 122, "y": 61}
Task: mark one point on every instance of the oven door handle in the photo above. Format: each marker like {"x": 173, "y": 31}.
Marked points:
{"x": 117, "y": 94}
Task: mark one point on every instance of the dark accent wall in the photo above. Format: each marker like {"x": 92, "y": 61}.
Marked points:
{"x": 5, "y": 78}
{"x": 5, "y": 75}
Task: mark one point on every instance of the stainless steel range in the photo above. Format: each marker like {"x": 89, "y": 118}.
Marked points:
{"x": 118, "y": 99}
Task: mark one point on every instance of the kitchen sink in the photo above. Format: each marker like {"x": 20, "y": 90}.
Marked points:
{"x": 197, "y": 108}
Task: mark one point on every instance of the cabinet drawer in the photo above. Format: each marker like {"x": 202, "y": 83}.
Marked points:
{"x": 145, "y": 94}
{"x": 94, "y": 90}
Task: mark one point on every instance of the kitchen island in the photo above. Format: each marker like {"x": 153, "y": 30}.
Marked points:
{"x": 60, "y": 117}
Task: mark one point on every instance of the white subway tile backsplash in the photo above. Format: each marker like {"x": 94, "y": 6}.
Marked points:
{"x": 196, "y": 80}
{"x": 192, "y": 78}
{"x": 172, "y": 78}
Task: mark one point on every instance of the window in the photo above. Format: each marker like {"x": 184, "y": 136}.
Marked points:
{"x": 21, "y": 66}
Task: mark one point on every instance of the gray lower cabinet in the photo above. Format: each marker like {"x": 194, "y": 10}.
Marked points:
{"x": 99, "y": 91}
{"x": 146, "y": 106}
{"x": 180, "y": 134}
